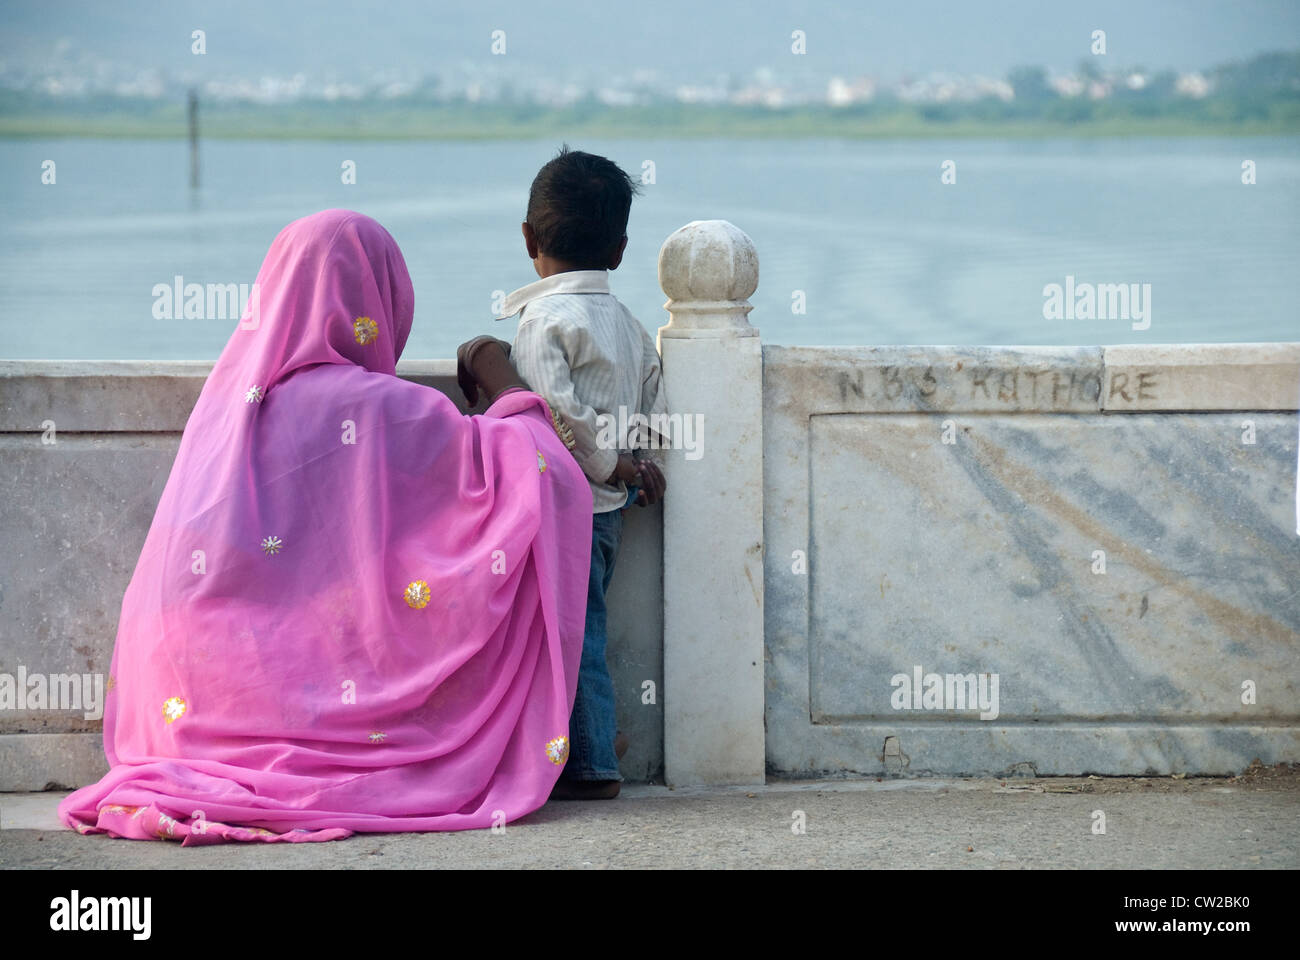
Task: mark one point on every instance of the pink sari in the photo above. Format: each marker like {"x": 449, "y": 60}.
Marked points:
{"x": 356, "y": 608}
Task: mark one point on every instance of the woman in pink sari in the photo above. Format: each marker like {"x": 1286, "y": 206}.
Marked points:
{"x": 356, "y": 608}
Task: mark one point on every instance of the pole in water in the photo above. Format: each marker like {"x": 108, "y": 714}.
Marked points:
{"x": 194, "y": 138}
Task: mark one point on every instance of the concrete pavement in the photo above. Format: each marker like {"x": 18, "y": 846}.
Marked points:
{"x": 1245, "y": 822}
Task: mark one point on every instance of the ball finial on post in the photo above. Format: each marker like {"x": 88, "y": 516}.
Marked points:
{"x": 708, "y": 269}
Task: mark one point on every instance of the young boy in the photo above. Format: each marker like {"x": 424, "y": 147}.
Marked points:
{"x": 589, "y": 358}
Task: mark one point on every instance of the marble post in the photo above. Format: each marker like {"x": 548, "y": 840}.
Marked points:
{"x": 713, "y": 511}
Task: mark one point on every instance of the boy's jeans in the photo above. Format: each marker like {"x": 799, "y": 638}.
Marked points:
{"x": 592, "y": 723}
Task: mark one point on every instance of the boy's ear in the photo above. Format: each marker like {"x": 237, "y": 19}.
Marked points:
{"x": 530, "y": 239}
{"x": 617, "y": 258}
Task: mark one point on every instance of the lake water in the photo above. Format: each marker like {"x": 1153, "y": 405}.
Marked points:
{"x": 882, "y": 250}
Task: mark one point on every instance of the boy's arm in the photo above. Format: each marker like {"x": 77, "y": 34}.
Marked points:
{"x": 541, "y": 354}
{"x": 654, "y": 398}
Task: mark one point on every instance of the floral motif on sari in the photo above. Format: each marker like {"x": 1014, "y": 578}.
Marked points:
{"x": 365, "y": 330}
{"x": 557, "y": 750}
{"x": 174, "y": 708}
{"x": 417, "y": 594}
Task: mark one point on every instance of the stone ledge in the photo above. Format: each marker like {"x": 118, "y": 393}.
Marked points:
{"x": 134, "y": 396}
{"x": 1198, "y": 377}
{"x": 41, "y": 761}
{"x": 1047, "y": 750}
{"x": 1219, "y": 376}
{"x": 156, "y": 396}
{"x": 907, "y": 379}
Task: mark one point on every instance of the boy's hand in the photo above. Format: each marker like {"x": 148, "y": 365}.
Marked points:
{"x": 652, "y": 483}
{"x": 625, "y": 470}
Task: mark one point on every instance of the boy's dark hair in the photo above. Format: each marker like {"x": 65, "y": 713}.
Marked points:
{"x": 578, "y": 207}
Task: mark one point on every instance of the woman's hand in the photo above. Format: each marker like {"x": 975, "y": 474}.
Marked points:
{"x": 485, "y": 362}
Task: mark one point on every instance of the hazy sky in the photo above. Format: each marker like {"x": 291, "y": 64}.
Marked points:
{"x": 692, "y": 39}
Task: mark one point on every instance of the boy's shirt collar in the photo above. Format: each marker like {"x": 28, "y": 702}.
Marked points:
{"x": 570, "y": 281}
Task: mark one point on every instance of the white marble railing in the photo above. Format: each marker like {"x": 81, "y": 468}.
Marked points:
{"x": 1108, "y": 531}
{"x": 1097, "y": 542}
